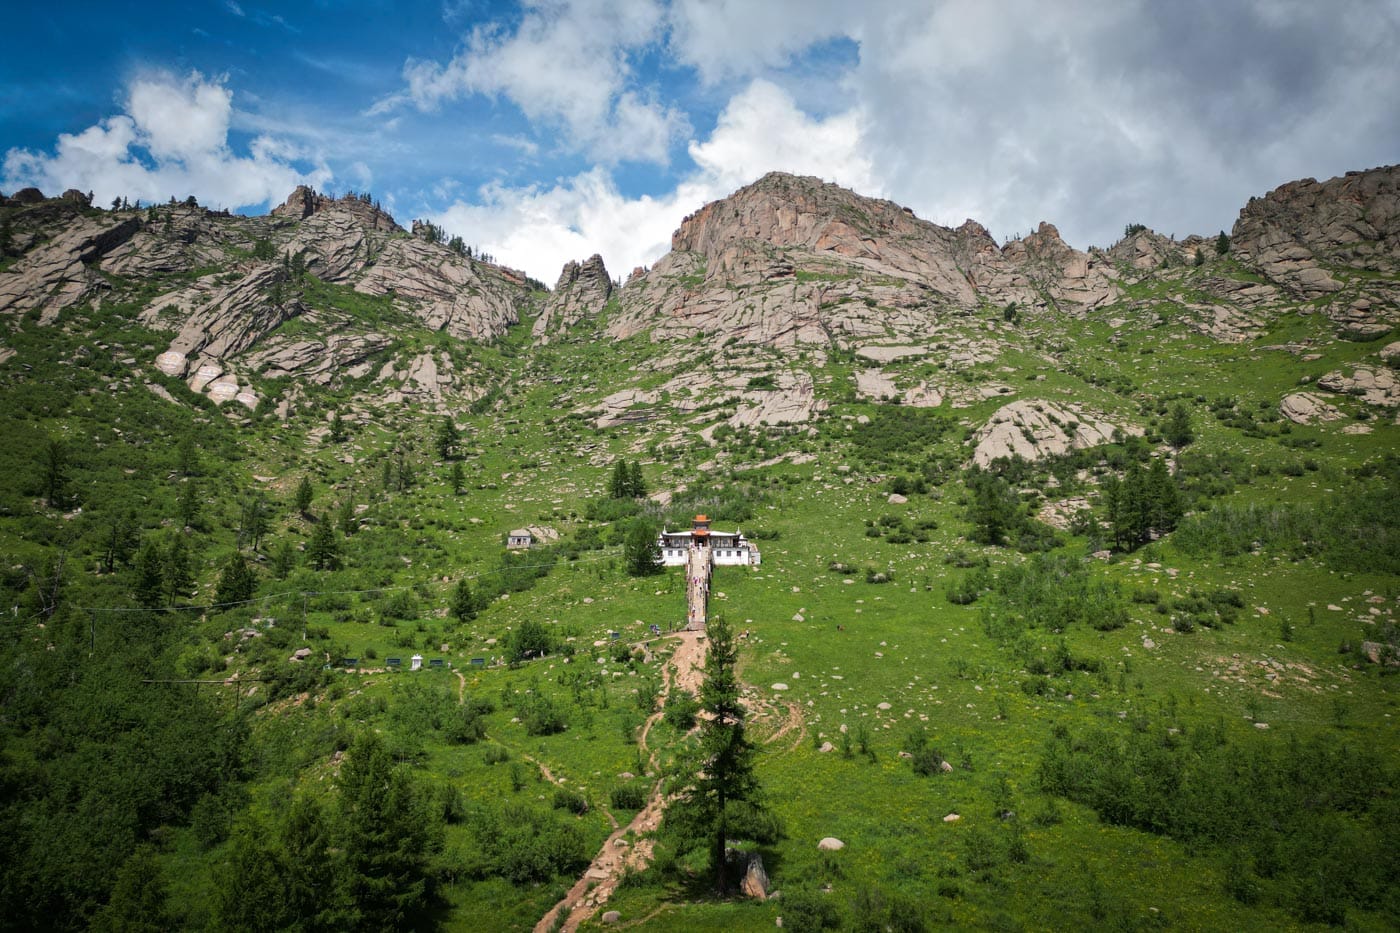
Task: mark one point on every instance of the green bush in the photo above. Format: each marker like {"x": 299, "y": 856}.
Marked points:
{"x": 629, "y": 796}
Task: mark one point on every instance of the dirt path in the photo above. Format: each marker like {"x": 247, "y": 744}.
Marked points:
{"x": 461, "y": 687}
{"x": 617, "y": 856}
{"x": 792, "y": 723}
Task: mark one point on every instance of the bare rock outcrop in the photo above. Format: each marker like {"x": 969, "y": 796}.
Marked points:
{"x": 305, "y": 202}
{"x": 465, "y": 298}
{"x": 1307, "y": 408}
{"x": 1301, "y": 233}
{"x": 56, "y": 275}
{"x": 1144, "y": 250}
{"x": 581, "y": 292}
{"x": 1373, "y": 385}
{"x": 1035, "y": 429}
{"x": 791, "y": 261}
{"x": 221, "y": 321}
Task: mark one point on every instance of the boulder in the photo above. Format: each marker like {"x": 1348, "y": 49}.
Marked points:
{"x": 830, "y": 844}
{"x": 1035, "y": 429}
{"x": 755, "y": 883}
{"x": 1306, "y": 408}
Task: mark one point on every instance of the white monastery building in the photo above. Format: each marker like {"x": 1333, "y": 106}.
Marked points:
{"x": 727, "y": 548}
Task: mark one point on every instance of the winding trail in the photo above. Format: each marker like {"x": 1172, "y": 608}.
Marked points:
{"x": 616, "y": 857}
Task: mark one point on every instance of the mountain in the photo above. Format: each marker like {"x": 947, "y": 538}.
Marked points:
{"x": 1077, "y": 594}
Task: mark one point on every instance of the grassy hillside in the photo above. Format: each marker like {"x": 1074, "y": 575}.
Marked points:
{"x": 1188, "y": 733}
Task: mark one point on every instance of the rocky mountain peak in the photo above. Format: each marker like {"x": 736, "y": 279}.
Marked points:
{"x": 305, "y": 201}
{"x": 1300, "y": 233}
{"x": 581, "y": 292}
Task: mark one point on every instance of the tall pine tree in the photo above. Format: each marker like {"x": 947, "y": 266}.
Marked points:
{"x": 722, "y": 797}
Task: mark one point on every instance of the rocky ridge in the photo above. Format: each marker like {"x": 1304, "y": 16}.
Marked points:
{"x": 229, "y": 323}
{"x": 1311, "y": 238}
{"x": 582, "y": 291}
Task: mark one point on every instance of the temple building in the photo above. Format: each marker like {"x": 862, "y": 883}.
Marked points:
{"x": 727, "y": 548}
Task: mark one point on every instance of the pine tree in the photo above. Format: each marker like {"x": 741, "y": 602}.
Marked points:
{"x": 55, "y": 475}
{"x": 447, "y": 438}
{"x": 177, "y": 573}
{"x": 147, "y": 586}
{"x": 284, "y": 559}
{"x": 345, "y": 518}
{"x": 337, "y": 429}
{"x": 621, "y": 482}
{"x": 386, "y": 835}
{"x": 1178, "y": 431}
{"x": 138, "y": 900}
{"x": 323, "y": 553}
{"x": 253, "y": 522}
{"x": 459, "y": 479}
{"x": 305, "y": 493}
{"x": 463, "y": 606}
{"x": 187, "y": 456}
{"x": 236, "y": 583}
{"x": 1222, "y": 244}
{"x": 636, "y": 483}
{"x": 187, "y": 505}
{"x": 994, "y": 511}
{"x": 119, "y": 540}
{"x": 724, "y": 782}
{"x": 1163, "y": 498}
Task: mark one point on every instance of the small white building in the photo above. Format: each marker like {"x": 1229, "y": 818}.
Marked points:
{"x": 415, "y": 663}
{"x": 520, "y": 539}
{"x": 727, "y": 548}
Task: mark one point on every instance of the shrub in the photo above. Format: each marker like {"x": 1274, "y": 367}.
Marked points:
{"x": 629, "y": 796}
{"x": 571, "y": 800}
{"x": 681, "y": 709}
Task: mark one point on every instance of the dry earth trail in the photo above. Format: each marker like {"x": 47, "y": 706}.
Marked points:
{"x": 684, "y": 671}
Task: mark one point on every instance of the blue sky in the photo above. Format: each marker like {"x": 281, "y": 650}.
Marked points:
{"x": 552, "y": 129}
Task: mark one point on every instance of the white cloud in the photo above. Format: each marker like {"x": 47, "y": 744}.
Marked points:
{"x": 539, "y": 229}
{"x": 738, "y": 38}
{"x": 567, "y": 65}
{"x": 172, "y": 141}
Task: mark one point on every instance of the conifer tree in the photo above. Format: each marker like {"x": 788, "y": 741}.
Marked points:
{"x": 463, "y": 606}
{"x": 447, "y": 438}
{"x": 1178, "y": 431}
{"x": 187, "y": 504}
{"x": 323, "y": 553}
{"x": 621, "y": 481}
{"x": 55, "y": 473}
{"x": 386, "y": 835}
{"x": 177, "y": 574}
{"x": 636, "y": 483}
{"x": 236, "y": 583}
{"x": 147, "y": 586}
{"x": 305, "y": 493}
{"x": 724, "y": 781}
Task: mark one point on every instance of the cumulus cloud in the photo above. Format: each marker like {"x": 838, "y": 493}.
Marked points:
{"x": 171, "y": 141}
{"x": 538, "y": 229}
{"x": 1096, "y": 116}
{"x": 567, "y": 64}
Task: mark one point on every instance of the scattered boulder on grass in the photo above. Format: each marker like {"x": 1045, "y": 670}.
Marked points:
{"x": 1305, "y": 408}
{"x": 755, "y": 883}
{"x": 612, "y": 916}
{"x": 830, "y": 844}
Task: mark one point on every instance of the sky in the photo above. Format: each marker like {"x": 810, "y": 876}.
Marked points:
{"x": 548, "y": 130}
